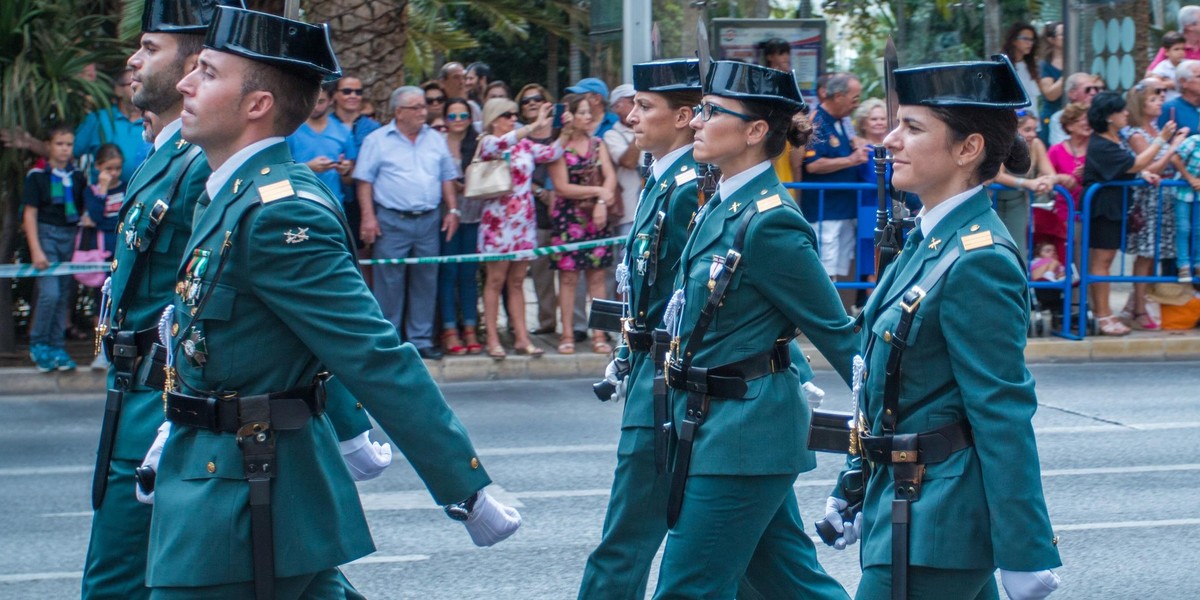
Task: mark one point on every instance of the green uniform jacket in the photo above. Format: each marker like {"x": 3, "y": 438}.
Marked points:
{"x": 779, "y": 286}
{"x": 684, "y": 198}
{"x": 139, "y": 308}
{"x": 290, "y": 302}
{"x": 983, "y": 507}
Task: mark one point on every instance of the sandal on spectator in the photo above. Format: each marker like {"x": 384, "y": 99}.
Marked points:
{"x": 1185, "y": 275}
{"x": 529, "y": 350}
{"x": 1111, "y": 326}
{"x": 1144, "y": 322}
{"x": 600, "y": 346}
{"x": 452, "y": 343}
{"x": 497, "y": 352}
{"x": 472, "y": 341}
{"x": 566, "y": 345}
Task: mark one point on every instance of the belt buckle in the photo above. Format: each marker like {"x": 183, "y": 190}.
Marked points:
{"x": 912, "y": 299}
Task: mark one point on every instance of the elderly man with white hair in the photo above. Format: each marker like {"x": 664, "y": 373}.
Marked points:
{"x": 1081, "y": 87}
{"x": 1189, "y": 26}
{"x": 1184, "y": 110}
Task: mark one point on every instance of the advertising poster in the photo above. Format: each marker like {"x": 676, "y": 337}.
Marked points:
{"x": 742, "y": 39}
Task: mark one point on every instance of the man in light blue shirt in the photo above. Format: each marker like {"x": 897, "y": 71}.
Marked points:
{"x": 405, "y": 174}
{"x": 325, "y": 145}
{"x": 119, "y": 124}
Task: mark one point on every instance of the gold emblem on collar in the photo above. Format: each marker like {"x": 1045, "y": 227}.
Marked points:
{"x": 662, "y": 186}
{"x": 735, "y": 206}
{"x": 237, "y": 183}
{"x": 180, "y": 143}
{"x": 933, "y": 243}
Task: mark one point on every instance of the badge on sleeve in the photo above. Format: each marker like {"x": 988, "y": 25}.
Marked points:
{"x": 297, "y": 236}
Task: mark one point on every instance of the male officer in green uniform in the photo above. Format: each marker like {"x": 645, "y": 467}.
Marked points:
{"x": 251, "y": 496}
{"x": 155, "y": 223}
{"x": 954, "y": 487}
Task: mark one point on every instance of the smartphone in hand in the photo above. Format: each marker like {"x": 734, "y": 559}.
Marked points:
{"x": 559, "y": 109}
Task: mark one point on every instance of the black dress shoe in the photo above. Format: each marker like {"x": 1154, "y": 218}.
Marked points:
{"x": 543, "y": 330}
{"x": 430, "y": 353}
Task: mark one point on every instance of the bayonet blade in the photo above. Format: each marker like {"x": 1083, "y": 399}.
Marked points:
{"x": 890, "y": 63}
{"x": 703, "y": 51}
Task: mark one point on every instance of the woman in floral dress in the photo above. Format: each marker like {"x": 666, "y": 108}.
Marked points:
{"x": 584, "y": 184}
{"x": 509, "y": 222}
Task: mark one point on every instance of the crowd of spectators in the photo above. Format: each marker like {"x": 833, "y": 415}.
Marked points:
{"x": 400, "y": 178}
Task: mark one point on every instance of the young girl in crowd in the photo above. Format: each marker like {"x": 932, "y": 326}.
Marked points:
{"x": 103, "y": 199}
{"x": 1046, "y": 266}
{"x": 1187, "y": 210}
{"x": 53, "y": 203}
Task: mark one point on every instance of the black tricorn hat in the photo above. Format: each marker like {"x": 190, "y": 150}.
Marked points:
{"x": 747, "y": 81}
{"x": 284, "y": 43}
{"x": 985, "y": 83}
{"x": 181, "y": 16}
{"x": 671, "y": 75}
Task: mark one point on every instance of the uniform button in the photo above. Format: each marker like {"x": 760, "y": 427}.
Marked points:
{"x": 175, "y": 329}
{"x": 358, "y": 405}
{"x": 887, "y": 336}
{"x": 179, "y": 287}
{"x": 265, "y": 170}
{"x": 474, "y": 463}
{"x": 857, "y": 328}
{"x": 114, "y": 264}
{"x": 212, "y": 467}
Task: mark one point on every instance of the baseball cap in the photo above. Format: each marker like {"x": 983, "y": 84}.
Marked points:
{"x": 590, "y": 85}
{"x": 624, "y": 90}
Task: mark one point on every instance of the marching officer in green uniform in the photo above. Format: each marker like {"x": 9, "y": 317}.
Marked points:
{"x": 953, "y": 484}
{"x": 156, "y": 221}
{"x": 667, "y": 92}
{"x": 748, "y": 278}
{"x": 251, "y": 496}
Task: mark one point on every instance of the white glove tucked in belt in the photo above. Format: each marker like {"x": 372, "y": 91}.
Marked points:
{"x": 1029, "y": 585}
{"x": 152, "y": 457}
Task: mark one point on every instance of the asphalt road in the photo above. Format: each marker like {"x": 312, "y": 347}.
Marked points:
{"x": 1116, "y": 440}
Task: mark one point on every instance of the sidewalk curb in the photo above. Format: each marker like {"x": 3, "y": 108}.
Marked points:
{"x": 1184, "y": 345}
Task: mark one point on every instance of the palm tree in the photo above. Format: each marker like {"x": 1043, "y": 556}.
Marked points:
{"x": 46, "y": 49}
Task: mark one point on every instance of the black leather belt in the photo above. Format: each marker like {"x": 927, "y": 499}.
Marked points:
{"x": 639, "y": 341}
{"x": 290, "y": 409}
{"x": 729, "y": 381}
{"x": 932, "y": 446}
{"x": 409, "y": 214}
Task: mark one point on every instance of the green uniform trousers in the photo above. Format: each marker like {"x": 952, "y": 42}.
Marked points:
{"x": 730, "y": 525}
{"x": 329, "y": 584}
{"x": 116, "y": 558}
{"x": 635, "y": 524}
{"x": 927, "y": 582}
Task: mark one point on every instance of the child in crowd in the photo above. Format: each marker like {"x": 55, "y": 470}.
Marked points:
{"x": 104, "y": 199}
{"x": 53, "y": 205}
{"x": 1173, "y": 47}
{"x": 1187, "y": 209}
{"x": 1046, "y": 266}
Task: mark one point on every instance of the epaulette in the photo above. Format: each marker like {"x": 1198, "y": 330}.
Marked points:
{"x": 271, "y": 188}
{"x": 974, "y": 238}
{"x": 687, "y": 174}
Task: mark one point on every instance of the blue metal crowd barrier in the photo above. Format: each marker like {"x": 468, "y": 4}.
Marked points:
{"x": 865, "y": 263}
{"x": 1086, "y": 277}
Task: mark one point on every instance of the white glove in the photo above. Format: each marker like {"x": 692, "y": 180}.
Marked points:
{"x": 850, "y": 530}
{"x": 365, "y": 459}
{"x": 490, "y": 521}
{"x": 813, "y": 394}
{"x": 152, "y": 457}
{"x": 612, "y": 374}
{"x": 1029, "y": 585}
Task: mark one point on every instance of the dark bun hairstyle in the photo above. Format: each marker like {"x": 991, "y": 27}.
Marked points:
{"x": 784, "y": 125}
{"x": 1104, "y": 105}
{"x": 998, "y": 126}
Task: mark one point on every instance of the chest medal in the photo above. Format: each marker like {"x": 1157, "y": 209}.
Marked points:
{"x": 714, "y": 271}
{"x": 131, "y": 236}
{"x": 194, "y": 275}
{"x": 642, "y": 253}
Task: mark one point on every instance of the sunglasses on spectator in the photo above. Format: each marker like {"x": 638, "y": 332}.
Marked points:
{"x": 351, "y": 91}
{"x": 532, "y": 99}
{"x": 460, "y": 116}
{"x": 507, "y": 115}
{"x": 1141, "y": 87}
{"x": 1093, "y": 89}
{"x": 435, "y": 99}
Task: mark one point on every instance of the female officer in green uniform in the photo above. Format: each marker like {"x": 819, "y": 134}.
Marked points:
{"x": 944, "y": 340}
{"x": 636, "y": 522}
{"x": 748, "y": 278}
